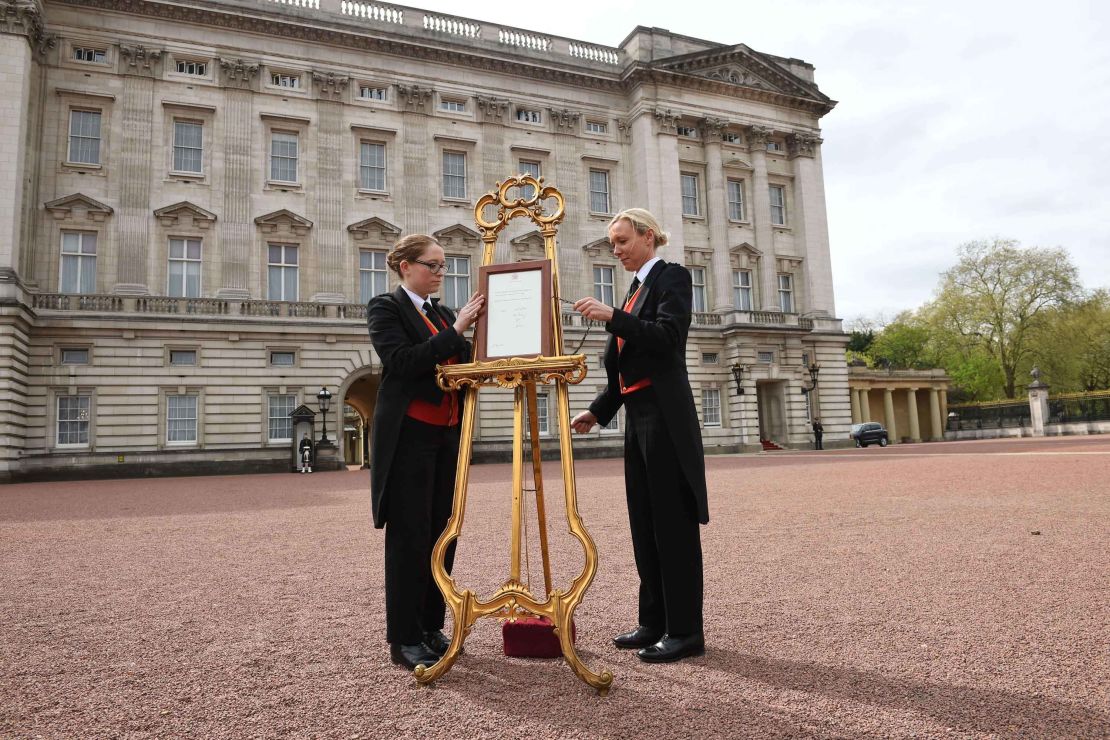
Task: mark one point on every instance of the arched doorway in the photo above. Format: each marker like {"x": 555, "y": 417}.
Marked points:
{"x": 356, "y": 412}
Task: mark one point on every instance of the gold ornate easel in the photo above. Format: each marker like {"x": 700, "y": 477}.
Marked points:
{"x": 522, "y": 375}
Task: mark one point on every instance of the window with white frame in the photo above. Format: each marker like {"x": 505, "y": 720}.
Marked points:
{"x": 774, "y": 146}
{"x": 281, "y": 405}
{"x": 373, "y": 276}
{"x": 279, "y": 79}
{"x": 284, "y": 147}
{"x": 529, "y": 115}
{"x": 188, "y": 146}
{"x": 765, "y": 358}
{"x": 282, "y": 358}
{"x": 181, "y": 419}
{"x": 183, "y": 357}
{"x": 711, "y": 407}
{"x": 456, "y": 282}
{"x": 603, "y": 285}
{"x": 184, "y": 268}
{"x": 84, "y": 136}
{"x": 78, "y": 267}
{"x": 372, "y": 92}
{"x": 542, "y": 415}
{"x": 688, "y": 132}
{"x": 599, "y": 191}
{"x": 371, "y": 166}
{"x": 778, "y": 205}
{"x": 528, "y": 167}
{"x": 742, "y": 289}
{"x": 453, "y": 106}
{"x": 697, "y": 275}
{"x": 786, "y": 293}
{"x": 614, "y": 424}
{"x": 454, "y": 175}
{"x": 72, "y": 426}
{"x": 690, "y": 206}
{"x": 282, "y": 272}
{"x": 736, "y": 200}
{"x": 710, "y": 358}
{"x": 74, "y": 356}
{"x": 89, "y": 54}
{"x": 731, "y": 137}
{"x": 189, "y": 67}
{"x": 597, "y": 127}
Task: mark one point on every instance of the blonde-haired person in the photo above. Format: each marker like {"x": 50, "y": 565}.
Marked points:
{"x": 664, "y": 466}
{"x": 415, "y": 447}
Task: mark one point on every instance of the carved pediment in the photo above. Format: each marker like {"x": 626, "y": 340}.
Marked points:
{"x": 302, "y": 413}
{"x": 190, "y": 212}
{"x": 283, "y": 221}
{"x": 374, "y": 229}
{"x": 744, "y": 256}
{"x": 457, "y": 237}
{"x": 740, "y": 66}
{"x": 698, "y": 257}
{"x": 598, "y": 247}
{"x": 78, "y": 207}
{"x": 787, "y": 263}
{"x": 528, "y": 246}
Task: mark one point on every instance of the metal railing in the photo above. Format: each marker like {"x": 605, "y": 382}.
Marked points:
{"x": 988, "y": 415}
{"x": 1078, "y": 407}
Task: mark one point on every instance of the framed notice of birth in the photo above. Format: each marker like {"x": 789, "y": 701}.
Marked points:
{"x": 517, "y": 319}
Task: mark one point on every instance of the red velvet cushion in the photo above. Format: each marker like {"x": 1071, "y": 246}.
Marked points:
{"x": 532, "y": 637}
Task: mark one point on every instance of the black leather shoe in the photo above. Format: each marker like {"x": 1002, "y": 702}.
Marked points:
{"x": 437, "y": 642}
{"x": 669, "y": 649}
{"x": 640, "y": 637}
{"x": 411, "y": 656}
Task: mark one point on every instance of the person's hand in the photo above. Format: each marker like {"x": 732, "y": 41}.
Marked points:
{"x": 469, "y": 313}
{"x": 593, "y": 309}
{"x": 584, "y": 422}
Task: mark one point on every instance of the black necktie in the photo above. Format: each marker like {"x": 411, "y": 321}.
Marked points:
{"x": 632, "y": 290}
{"x": 434, "y": 317}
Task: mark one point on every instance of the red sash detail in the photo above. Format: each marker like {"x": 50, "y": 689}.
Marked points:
{"x": 442, "y": 414}
{"x": 643, "y": 382}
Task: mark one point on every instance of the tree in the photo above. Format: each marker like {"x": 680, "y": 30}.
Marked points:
{"x": 1073, "y": 348}
{"x": 903, "y": 343}
{"x": 999, "y": 295}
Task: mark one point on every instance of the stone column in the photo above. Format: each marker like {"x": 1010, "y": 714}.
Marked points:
{"x": 810, "y": 222}
{"x": 853, "y": 395}
{"x": 139, "y": 66}
{"x": 915, "y": 426}
{"x": 669, "y": 209}
{"x": 865, "y": 404}
{"x": 937, "y": 434}
{"x": 237, "y": 242}
{"x": 329, "y": 235}
{"x": 421, "y": 186}
{"x": 944, "y": 404}
{"x": 716, "y": 207}
{"x": 1038, "y": 404}
{"x": 761, "y": 219}
{"x": 888, "y": 412}
{"x": 569, "y": 171}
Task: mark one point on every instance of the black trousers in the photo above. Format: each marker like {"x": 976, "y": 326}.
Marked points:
{"x": 421, "y": 489}
{"x": 817, "y": 441}
{"x": 666, "y": 536}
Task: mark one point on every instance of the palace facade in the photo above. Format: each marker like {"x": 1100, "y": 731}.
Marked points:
{"x": 201, "y": 194}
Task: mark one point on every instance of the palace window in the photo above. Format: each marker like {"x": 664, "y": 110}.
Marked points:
{"x": 89, "y": 54}
{"x": 188, "y": 146}
{"x": 736, "y": 200}
{"x": 453, "y": 106}
{"x": 368, "y": 92}
{"x": 599, "y": 191}
{"x": 742, "y": 289}
{"x": 786, "y": 293}
{"x": 597, "y": 127}
{"x": 280, "y": 425}
{"x": 72, "y": 426}
{"x": 373, "y": 277}
{"x": 184, "y": 268}
{"x": 529, "y": 116}
{"x": 697, "y": 274}
{"x": 711, "y": 407}
{"x": 283, "y": 156}
{"x": 454, "y": 176}
{"x": 181, "y": 419}
{"x": 78, "y": 265}
{"x": 371, "y": 166}
{"x": 778, "y": 205}
{"x": 282, "y": 271}
{"x": 529, "y": 168}
{"x": 456, "y": 282}
{"x": 188, "y": 67}
{"x": 285, "y": 80}
{"x": 183, "y": 357}
{"x": 603, "y": 284}
{"x": 690, "y": 205}
{"x": 84, "y": 137}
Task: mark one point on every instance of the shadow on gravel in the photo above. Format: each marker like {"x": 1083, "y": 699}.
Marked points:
{"x": 962, "y": 708}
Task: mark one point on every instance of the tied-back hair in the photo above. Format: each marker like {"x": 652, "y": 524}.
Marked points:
{"x": 642, "y": 220}
{"x": 409, "y": 248}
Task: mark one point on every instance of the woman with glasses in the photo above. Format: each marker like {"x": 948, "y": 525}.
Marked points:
{"x": 415, "y": 447}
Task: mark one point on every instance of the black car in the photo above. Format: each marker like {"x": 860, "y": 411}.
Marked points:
{"x": 869, "y": 432}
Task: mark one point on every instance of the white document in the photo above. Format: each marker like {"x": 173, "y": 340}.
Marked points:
{"x": 514, "y": 324}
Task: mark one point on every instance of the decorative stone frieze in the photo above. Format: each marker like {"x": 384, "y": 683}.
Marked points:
{"x": 179, "y": 214}
{"x": 78, "y": 207}
{"x": 414, "y": 97}
{"x": 565, "y": 120}
{"x": 330, "y": 86}
{"x": 236, "y": 73}
{"x": 494, "y": 109}
{"x": 802, "y": 145}
{"x": 375, "y": 230}
{"x": 666, "y": 120}
{"x": 758, "y": 136}
{"x": 139, "y": 60}
{"x": 283, "y": 221}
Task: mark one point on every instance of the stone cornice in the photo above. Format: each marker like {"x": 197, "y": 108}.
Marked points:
{"x": 276, "y": 23}
{"x": 25, "y": 18}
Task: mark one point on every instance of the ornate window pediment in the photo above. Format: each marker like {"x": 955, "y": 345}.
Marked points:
{"x": 78, "y": 207}
{"x": 374, "y": 229}
{"x": 283, "y": 221}
{"x": 458, "y": 237}
{"x": 744, "y": 256}
{"x": 173, "y": 215}
{"x": 528, "y": 246}
{"x": 598, "y": 247}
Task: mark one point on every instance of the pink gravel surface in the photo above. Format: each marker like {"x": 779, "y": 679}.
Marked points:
{"x": 943, "y": 590}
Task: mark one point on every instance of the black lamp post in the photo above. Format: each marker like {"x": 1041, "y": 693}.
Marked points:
{"x": 737, "y": 375}
{"x": 324, "y": 397}
{"x": 814, "y": 370}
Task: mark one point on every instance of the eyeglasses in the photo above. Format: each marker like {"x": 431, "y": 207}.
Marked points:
{"x": 435, "y": 268}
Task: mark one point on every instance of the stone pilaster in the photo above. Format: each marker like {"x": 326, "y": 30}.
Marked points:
{"x": 865, "y": 404}
{"x": 138, "y": 65}
{"x": 761, "y": 219}
{"x": 329, "y": 235}
{"x": 888, "y": 413}
{"x": 915, "y": 425}
{"x": 237, "y": 242}
{"x": 668, "y": 208}
{"x": 421, "y": 183}
{"x": 810, "y": 222}
{"x": 853, "y": 397}
{"x": 716, "y": 207}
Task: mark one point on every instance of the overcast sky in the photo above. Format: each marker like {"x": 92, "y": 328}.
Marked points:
{"x": 956, "y": 121}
